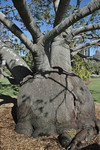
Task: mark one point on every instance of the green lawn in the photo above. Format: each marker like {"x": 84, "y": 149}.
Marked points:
{"x": 7, "y": 89}
{"x": 95, "y": 89}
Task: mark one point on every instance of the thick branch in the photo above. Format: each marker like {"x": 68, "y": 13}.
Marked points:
{"x": 14, "y": 62}
{"x": 76, "y": 16}
{"x": 61, "y": 11}
{"x": 14, "y": 29}
{"x": 81, "y": 47}
{"x": 86, "y": 28}
{"x": 27, "y": 18}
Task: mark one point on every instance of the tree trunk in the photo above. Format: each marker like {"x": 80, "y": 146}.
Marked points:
{"x": 60, "y": 54}
{"x": 55, "y": 100}
{"x": 51, "y": 99}
{"x": 52, "y": 105}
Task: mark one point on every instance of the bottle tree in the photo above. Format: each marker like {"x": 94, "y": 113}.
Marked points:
{"x": 52, "y": 99}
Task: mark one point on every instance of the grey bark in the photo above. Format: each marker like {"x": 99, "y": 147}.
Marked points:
{"x": 16, "y": 65}
{"x": 81, "y": 47}
{"x": 59, "y": 103}
{"x": 51, "y": 102}
{"x": 61, "y": 11}
{"x": 85, "y": 29}
{"x": 76, "y": 16}
{"x": 27, "y": 18}
{"x": 60, "y": 54}
{"x": 14, "y": 29}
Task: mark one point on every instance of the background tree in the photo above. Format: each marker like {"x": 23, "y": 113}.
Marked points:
{"x": 52, "y": 98}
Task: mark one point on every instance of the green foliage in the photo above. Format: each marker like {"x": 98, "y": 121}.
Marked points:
{"x": 94, "y": 88}
{"x": 29, "y": 59}
{"x": 72, "y": 133}
{"x": 79, "y": 67}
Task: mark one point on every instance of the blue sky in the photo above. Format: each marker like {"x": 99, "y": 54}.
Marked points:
{"x": 73, "y": 2}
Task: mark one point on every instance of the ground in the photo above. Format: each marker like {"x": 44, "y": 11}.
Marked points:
{"x": 10, "y": 140}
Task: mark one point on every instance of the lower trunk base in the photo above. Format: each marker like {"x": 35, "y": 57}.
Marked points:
{"x": 52, "y": 105}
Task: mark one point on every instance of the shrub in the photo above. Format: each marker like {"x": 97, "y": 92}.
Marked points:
{"x": 79, "y": 67}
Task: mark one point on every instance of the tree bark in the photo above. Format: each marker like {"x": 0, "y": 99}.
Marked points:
{"x": 50, "y": 101}
{"x": 76, "y": 16}
{"x": 81, "y": 47}
{"x": 14, "y": 29}
{"x": 60, "y": 54}
{"x": 85, "y": 29}
{"x": 61, "y": 11}
{"x": 27, "y": 18}
{"x": 15, "y": 64}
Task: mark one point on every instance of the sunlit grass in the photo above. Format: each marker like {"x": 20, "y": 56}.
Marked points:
{"x": 94, "y": 88}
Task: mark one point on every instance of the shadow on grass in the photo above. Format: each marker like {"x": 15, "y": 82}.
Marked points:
{"x": 9, "y": 89}
{"x": 8, "y": 99}
{"x": 94, "y": 92}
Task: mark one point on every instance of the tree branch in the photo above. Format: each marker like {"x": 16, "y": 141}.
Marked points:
{"x": 27, "y": 18}
{"x": 78, "y": 4}
{"x": 14, "y": 62}
{"x": 73, "y": 18}
{"x": 56, "y": 4}
{"x": 14, "y": 29}
{"x": 61, "y": 11}
{"x": 77, "y": 49}
{"x": 86, "y": 28}
{"x": 11, "y": 8}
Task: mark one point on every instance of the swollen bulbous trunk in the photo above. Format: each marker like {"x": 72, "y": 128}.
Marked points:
{"x": 52, "y": 105}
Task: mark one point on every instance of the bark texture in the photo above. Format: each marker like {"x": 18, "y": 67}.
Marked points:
{"x": 46, "y": 110}
{"x": 15, "y": 64}
{"x": 52, "y": 99}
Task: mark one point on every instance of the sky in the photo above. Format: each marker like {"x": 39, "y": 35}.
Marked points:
{"x": 73, "y": 2}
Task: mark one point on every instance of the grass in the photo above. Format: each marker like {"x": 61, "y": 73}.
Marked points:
{"x": 94, "y": 88}
{"x": 8, "y": 89}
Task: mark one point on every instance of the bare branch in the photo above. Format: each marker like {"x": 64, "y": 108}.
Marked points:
{"x": 6, "y": 12}
{"x": 76, "y": 16}
{"x": 61, "y": 11}
{"x": 78, "y": 4}
{"x": 27, "y": 18}
{"x": 14, "y": 29}
{"x": 77, "y": 49}
{"x": 86, "y": 28}
{"x": 5, "y": 7}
